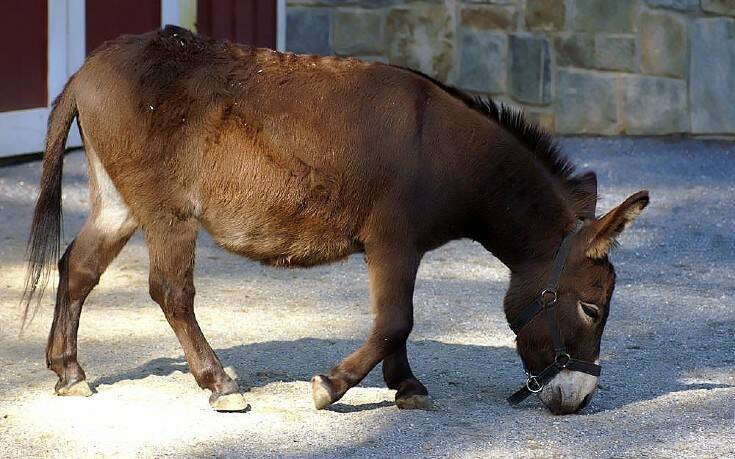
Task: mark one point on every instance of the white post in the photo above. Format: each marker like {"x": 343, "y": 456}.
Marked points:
{"x": 77, "y": 36}
{"x": 281, "y": 25}
{"x": 57, "y": 48}
{"x": 179, "y": 12}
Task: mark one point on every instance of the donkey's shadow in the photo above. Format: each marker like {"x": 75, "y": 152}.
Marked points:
{"x": 445, "y": 368}
{"x": 451, "y": 372}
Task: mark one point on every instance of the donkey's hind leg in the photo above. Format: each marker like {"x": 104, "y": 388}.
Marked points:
{"x": 80, "y": 269}
{"x": 171, "y": 248}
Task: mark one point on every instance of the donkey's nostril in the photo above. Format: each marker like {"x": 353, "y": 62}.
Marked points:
{"x": 558, "y": 395}
{"x": 555, "y": 401}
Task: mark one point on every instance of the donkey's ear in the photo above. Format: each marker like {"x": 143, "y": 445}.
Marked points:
{"x": 584, "y": 194}
{"x": 609, "y": 227}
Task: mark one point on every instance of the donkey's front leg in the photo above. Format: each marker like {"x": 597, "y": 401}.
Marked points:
{"x": 410, "y": 393}
{"x": 392, "y": 271}
{"x": 171, "y": 250}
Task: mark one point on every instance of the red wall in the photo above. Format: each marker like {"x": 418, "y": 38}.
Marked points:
{"x": 107, "y": 19}
{"x": 23, "y": 54}
{"x": 252, "y": 22}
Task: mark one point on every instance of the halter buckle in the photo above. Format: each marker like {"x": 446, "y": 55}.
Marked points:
{"x": 562, "y": 359}
{"x": 545, "y": 294}
{"x": 534, "y": 385}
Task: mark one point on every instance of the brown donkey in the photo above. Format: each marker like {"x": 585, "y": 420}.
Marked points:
{"x": 300, "y": 160}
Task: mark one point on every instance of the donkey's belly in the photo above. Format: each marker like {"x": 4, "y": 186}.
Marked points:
{"x": 275, "y": 241}
{"x": 262, "y": 200}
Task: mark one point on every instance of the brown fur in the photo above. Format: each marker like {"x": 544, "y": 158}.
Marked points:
{"x": 300, "y": 160}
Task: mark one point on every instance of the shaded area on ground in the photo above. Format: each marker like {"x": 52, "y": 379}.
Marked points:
{"x": 668, "y": 383}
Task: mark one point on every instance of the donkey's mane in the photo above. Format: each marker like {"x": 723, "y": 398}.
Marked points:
{"x": 514, "y": 121}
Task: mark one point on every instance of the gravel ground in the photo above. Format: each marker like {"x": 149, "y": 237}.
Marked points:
{"x": 668, "y": 383}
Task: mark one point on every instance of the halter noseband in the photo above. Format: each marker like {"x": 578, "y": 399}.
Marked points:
{"x": 545, "y": 303}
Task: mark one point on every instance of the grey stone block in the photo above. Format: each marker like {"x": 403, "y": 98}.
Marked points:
{"x": 712, "y": 75}
{"x": 422, "y": 37}
{"x": 496, "y": 2}
{"x": 544, "y": 120}
{"x": 308, "y": 30}
{"x": 615, "y": 53}
{"x": 484, "y": 17}
{"x": 576, "y": 50}
{"x": 483, "y": 61}
{"x": 587, "y": 103}
{"x": 358, "y": 32}
{"x": 545, "y": 14}
{"x": 719, "y": 6}
{"x": 682, "y": 5}
{"x": 361, "y": 3}
{"x": 290, "y": 3}
{"x": 662, "y": 40}
{"x": 654, "y": 105}
{"x": 605, "y": 15}
{"x": 530, "y": 69}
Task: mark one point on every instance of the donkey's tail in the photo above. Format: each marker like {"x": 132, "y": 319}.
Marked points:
{"x": 44, "y": 241}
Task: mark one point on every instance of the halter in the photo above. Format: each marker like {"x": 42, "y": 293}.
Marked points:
{"x": 545, "y": 303}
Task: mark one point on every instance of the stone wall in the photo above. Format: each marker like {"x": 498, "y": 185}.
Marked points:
{"x": 637, "y": 67}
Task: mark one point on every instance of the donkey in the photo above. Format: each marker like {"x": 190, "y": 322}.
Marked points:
{"x": 297, "y": 160}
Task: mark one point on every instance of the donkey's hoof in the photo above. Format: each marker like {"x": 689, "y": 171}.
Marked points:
{"x": 228, "y": 403}
{"x": 415, "y": 402}
{"x": 321, "y": 391}
{"x": 77, "y": 389}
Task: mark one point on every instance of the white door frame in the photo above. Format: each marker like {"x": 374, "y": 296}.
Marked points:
{"x": 24, "y": 131}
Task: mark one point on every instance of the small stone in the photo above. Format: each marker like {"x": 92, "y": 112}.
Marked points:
{"x": 653, "y": 105}
{"x": 605, "y": 15}
{"x": 421, "y": 37}
{"x": 530, "y": 69}
{"x": 719, "y": 6}
{"x": 483, "y": 61}
{"x": 615, "y": 53}
{"x": 711, "y": 70}
{"x": 308, "y": 30}
{"x": 358, "y": 32}
{"x": 587, "y": 103}
{"x": 545, "y": 14}
{"x": 576, "y": 50}
{"x": 662, "y": 39}
{"x": 485, "y": 17}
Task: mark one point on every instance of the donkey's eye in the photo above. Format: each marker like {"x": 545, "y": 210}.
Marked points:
{"x": 590, "y": 309}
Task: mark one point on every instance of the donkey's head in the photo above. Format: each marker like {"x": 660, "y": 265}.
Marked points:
{"x": 581, "y": 308}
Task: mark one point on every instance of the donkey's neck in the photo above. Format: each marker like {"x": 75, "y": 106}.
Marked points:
{"x": 526, "y": 213}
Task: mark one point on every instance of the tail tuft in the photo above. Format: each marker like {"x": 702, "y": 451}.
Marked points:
{"x": 45, "y": 239}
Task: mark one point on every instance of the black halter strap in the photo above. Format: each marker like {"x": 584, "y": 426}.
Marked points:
{"x": 546, "y": 302}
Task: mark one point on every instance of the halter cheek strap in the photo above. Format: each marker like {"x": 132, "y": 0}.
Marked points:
{"x": 546, "y": 303}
